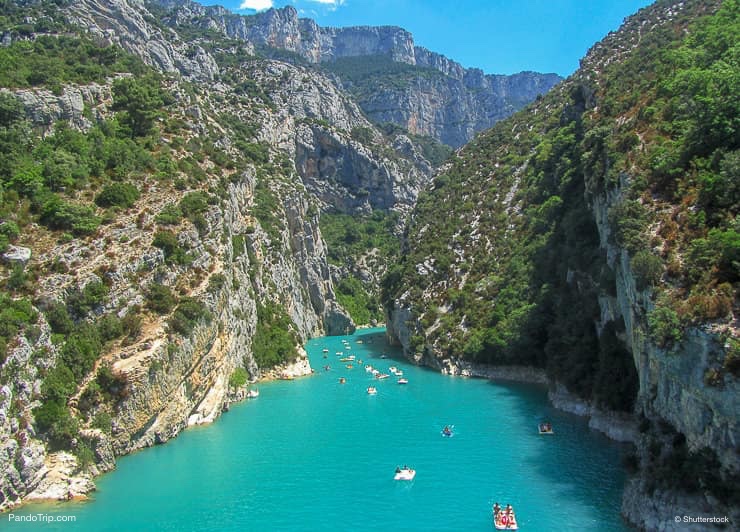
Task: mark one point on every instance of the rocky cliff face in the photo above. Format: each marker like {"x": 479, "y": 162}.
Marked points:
{"x": 269, "y": 146}
{"x": 170, "y": 382}
{"x": 317, "y": 124}
{"x": 450, "y": 107}
{"x": 123, "y": 22}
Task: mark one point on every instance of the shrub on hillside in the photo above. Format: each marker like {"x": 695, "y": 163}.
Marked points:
{"x": 173, "y": 252}
{"x": 665, "y": 326}
{"x": 188, "y": 313}
{"x": 238, "y": 378}
{"x": 160, "y": 299}
{"x": 118, "y": 195}
{"x": 647, "y": 268}
{"x": 58, "y": 214}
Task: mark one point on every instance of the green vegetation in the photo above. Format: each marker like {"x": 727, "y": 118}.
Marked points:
{"x": 274, "y": 340}
{"x": 160, "y": 299}
{"x": 48, "y": 177}
{"x": 238, "y": 378}
{"x": 647, "y": 269}
{"x": 368, "y": 74}
{"x": 169, "y": 215}
{"x": 118, "y": 195}
{"x": 36, "y": 62}
{"x": 54, "y": 183}
{"x": 349, "y": 235}
{"x": 15, "y": 315}
{"x": 512, "y": 217}
{"x": 187, "y": 315}
{"x": 174, "y": 253}
{"x": 139, "y": 102}
{"x": 665, "y": 326}
{"x": 80, "y": 302}
{"x": 351, "y": 239}
{"x": 355, "y": 298}
{"x": 81, "y": 347}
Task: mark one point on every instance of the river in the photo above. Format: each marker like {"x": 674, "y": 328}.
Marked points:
{"x": 314, "y": 454}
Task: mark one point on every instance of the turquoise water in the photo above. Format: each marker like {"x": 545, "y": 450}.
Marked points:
{"x": 313, "y": 454}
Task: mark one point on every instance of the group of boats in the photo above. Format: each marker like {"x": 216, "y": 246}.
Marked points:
{"x": 503, "y": 519}
{"x": 380, "y": 375}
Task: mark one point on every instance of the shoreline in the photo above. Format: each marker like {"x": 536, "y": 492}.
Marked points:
{"x": 617, "y": 426}
{"x": 65, "y": 485}
{"x": 61, "y": 482}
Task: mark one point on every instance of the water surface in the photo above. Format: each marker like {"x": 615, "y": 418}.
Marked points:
{"x": 314, "y": 454}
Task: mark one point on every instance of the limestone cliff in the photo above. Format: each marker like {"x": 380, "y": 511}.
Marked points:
{"x": 170, "y": 381}
{"x": 450, "y": 105}
{"x": 219, "y": 249}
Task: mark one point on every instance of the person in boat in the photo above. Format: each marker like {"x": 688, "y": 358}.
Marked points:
{"x": 398, "y": 469}
{"x": 509, "y": 509}
{"x": 496, "y": 508}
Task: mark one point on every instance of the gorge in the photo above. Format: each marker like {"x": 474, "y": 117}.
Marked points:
{"x": 188, "y": 195}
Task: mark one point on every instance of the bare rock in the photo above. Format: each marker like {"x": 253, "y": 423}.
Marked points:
{"x": 17, "y": 255}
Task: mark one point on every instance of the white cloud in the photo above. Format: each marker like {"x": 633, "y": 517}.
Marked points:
{"x": 256, "y": 5}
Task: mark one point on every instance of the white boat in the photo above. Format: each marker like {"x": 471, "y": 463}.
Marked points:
{"x": 399, "y": 373}
{"x": 545, "y": 428}
{"x": 393, "y": 369}
{"x": 368, "y": 368}
{"x": 505, "y": 520}
{"x": 374, "y": 372}
{"x": 405, "y": 473}
{"x": 339, "y": 353}
{"x": 251, "y": 394}
{"x": 382, "y": 376}
{"x": 403, "y": 381}
{"x": 348, "y": 347}
{"x": 324, "y": 350}
{"x": 371, "y": 390}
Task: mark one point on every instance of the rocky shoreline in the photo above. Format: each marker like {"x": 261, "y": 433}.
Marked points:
{"x": 620, "y": 427}
{"x": 62, "y": 478}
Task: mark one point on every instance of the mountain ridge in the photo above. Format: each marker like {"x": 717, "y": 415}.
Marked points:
{"x": 479, "y": 99}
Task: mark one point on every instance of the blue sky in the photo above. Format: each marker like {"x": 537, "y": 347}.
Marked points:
{"x": 499, "y": 36}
